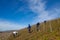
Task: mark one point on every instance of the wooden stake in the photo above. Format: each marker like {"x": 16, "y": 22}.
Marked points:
{"x": 50, "y": 26}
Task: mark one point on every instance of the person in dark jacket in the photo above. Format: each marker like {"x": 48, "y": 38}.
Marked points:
{"x": 29, "y": 28}
{"x": 37, "y": 26}
{"x": 44, "y": 21}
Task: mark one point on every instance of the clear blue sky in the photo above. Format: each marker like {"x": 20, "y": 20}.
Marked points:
{"x": 17, "y": 14}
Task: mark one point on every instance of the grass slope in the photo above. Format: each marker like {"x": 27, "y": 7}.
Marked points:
{"x": 4, "y": 35}
{"x": 48, "y": 31}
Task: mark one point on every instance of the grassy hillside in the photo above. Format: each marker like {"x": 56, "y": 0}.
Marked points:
{"x": 4, "y": 35}
{"x": 47, "y": 31}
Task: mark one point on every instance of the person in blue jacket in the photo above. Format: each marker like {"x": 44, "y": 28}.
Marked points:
{"x": 29, "y": 28}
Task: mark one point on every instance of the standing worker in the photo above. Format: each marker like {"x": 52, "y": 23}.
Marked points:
{"x": 29, "y": 28}
{"x": 37, "y": 26}
{"x": 45, "y": 22}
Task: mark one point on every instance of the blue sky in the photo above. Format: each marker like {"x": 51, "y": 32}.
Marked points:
{"x": 17, "y": 14}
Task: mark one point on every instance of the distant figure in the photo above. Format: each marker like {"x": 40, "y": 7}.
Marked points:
{"x": 44, "y": 21}
{"x": 37, "y": 26}
{"x": 15, "y": 33}
{"x": 29, "y": 28}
